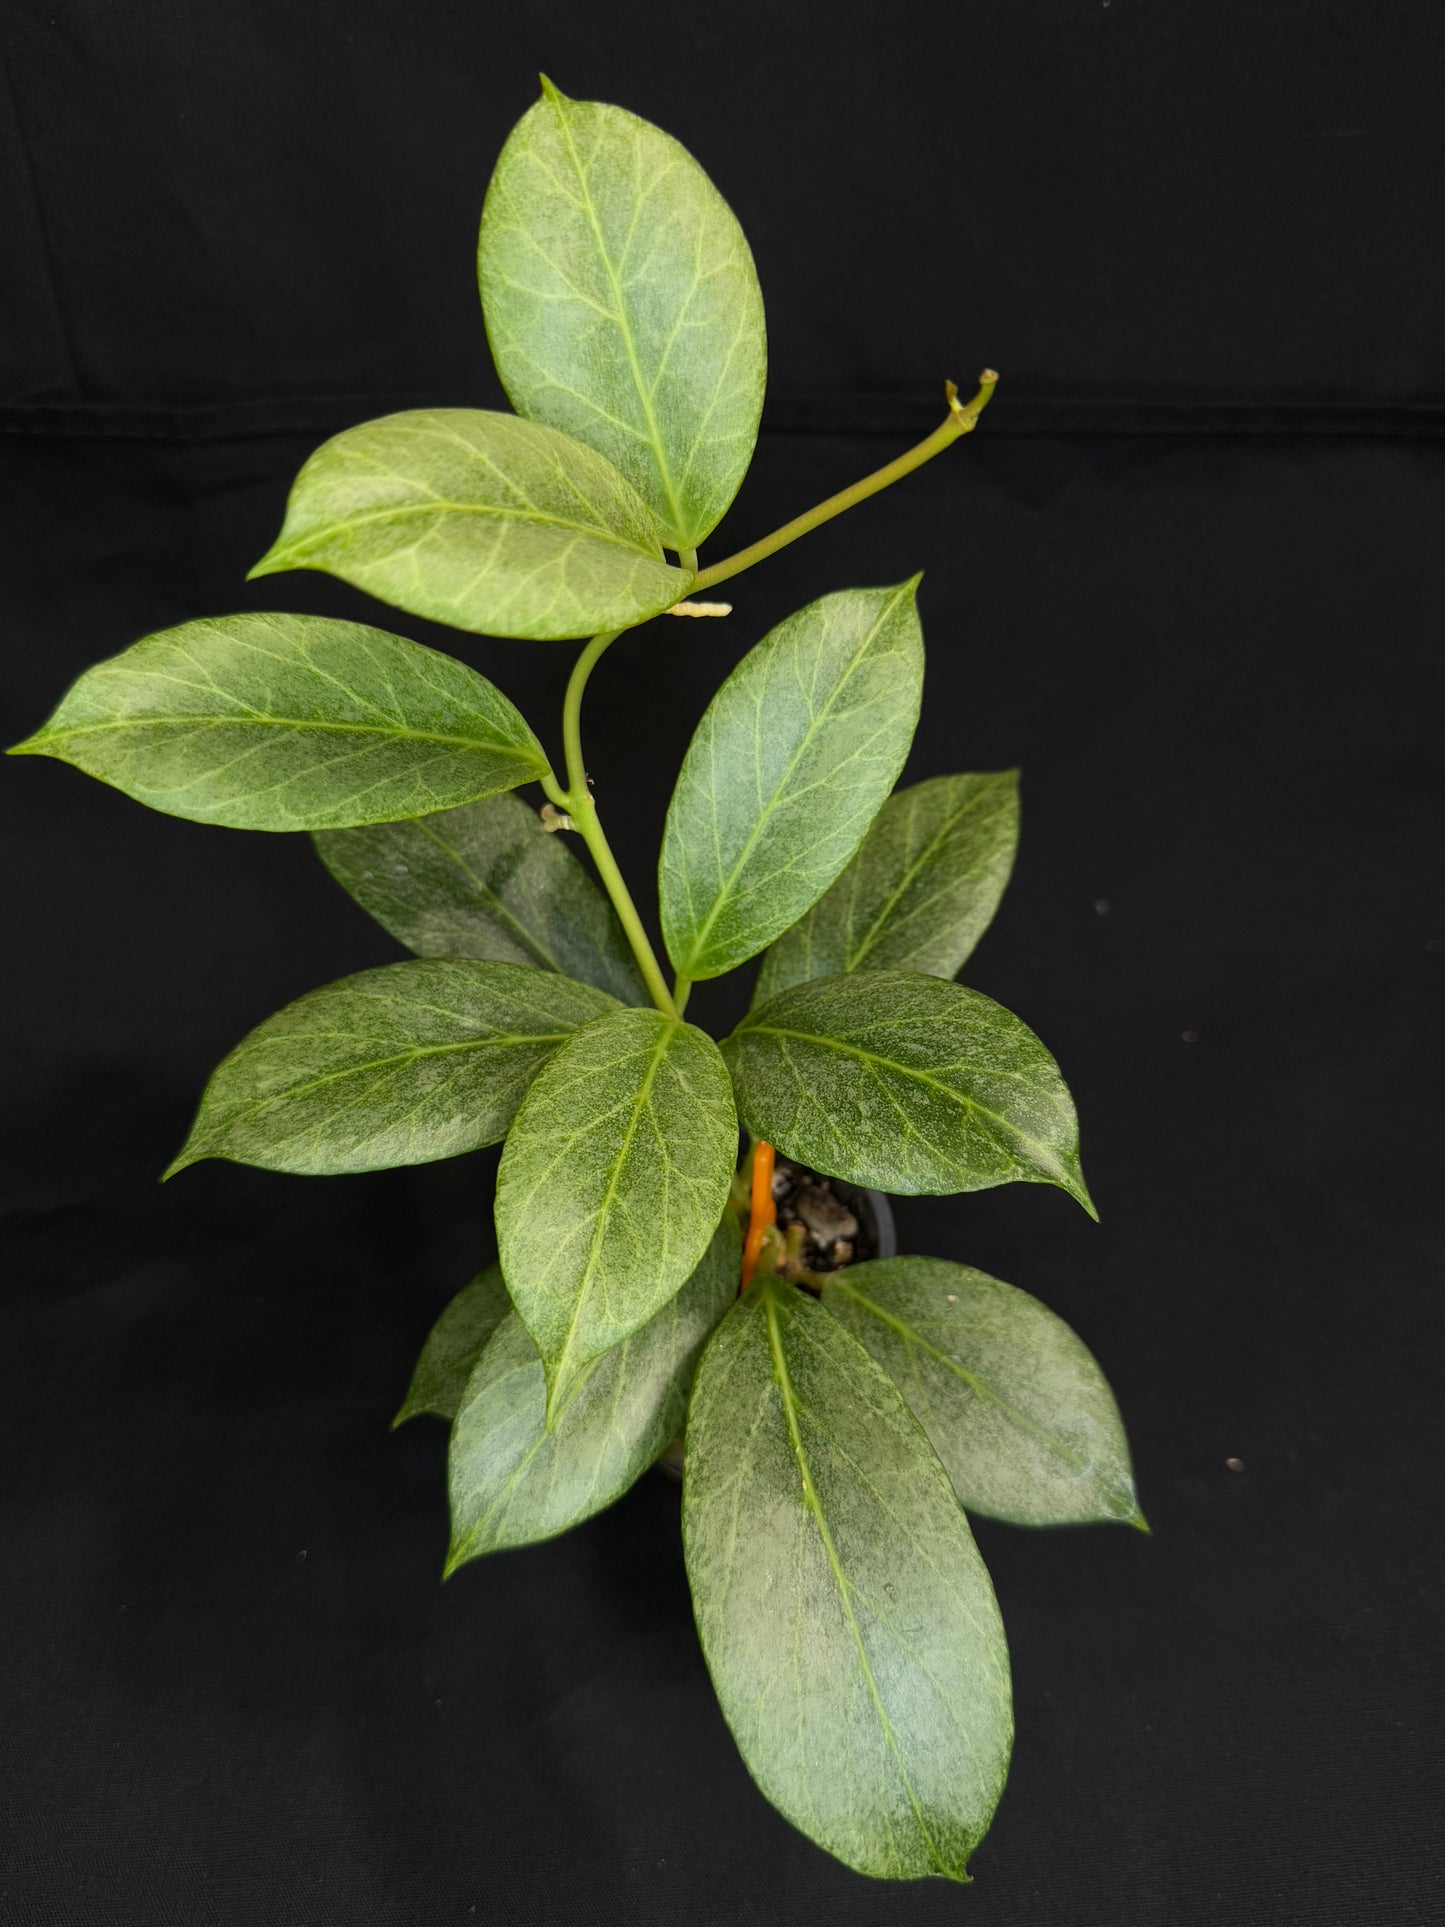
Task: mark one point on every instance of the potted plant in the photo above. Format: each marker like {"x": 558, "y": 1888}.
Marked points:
{"x": 838, "y": 1410}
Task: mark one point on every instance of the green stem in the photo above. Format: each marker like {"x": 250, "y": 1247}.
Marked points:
{"x": 576, "y": 798}
{"x": 961, "y": 420}
{"x": 577, "y": 801}
{"x": 572, "y": 712}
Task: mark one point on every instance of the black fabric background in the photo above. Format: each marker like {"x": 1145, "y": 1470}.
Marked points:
{"x": 1187, "y": 575}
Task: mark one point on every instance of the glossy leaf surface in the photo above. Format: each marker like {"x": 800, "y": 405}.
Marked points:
{"x": 612, "y": 1183}
{"x": 454, "y": 1345}
{"x": 401, "y": 1065}
{"x": 847, "y": 1619}
{"x": 788, "y": 768}
{"x": 622, "y": 305}
{"x": 486, "y": 880}
{"x": 920, "y": 892}
{"x": 1014, "y": 1402}
{"x": 513, "y": 1481}
{"x": 275, "y": 722}
{"x": 480, "y": 520}
{"x": 907, "y": 1083}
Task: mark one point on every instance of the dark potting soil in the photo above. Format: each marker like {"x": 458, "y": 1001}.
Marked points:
{"x": 834, "y": 1218}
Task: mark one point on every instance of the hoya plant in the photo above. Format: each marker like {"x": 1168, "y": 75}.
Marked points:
{"x": 836, "y": 1421}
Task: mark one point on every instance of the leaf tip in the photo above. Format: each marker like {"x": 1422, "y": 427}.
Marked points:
{"x": 551, "y": 91}
{"x": 271, "y": 563}
{"x": 460, "y": 1552}
{"x": 31, "y": 746}
{"x": 1073, "y": 1183}
{"x": 957, "y": 1873}
{"x": 185, "y": 1156}
{"x": 1139, "y": 1522}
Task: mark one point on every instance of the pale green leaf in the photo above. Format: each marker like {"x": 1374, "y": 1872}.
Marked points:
{"x": 845, "y": 1614}
{"x": 906, "y": 1083}
{"x": 920, "y": 892}
{"x": 401, "y": 1065}
{"x": 454, "y": 1344}
{"x": 489, "y": 523}
{"x": 486, "y": 880}
{"x": 622, "y": 304}
{"x": 513, "y": 1480}
{"x": 273, "y": 722}
{"x": 1014, "y": 1402}
{"x": 612, "y": 1182}
{"x": 788, "y": 768}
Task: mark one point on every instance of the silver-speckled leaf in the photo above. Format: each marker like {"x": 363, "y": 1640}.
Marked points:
{"x": 454, "y": 1345}
{"x": 846, "y": 1617}
{"x": 612, "y": 1182}
{"x": 920, "y": 892}
{"x": 907, "y": 1083}
{"x": 622, "y": 304}
{"x": 491, "y": 524}
{"x": 399, "y": 1065}
{"x": 1014, "y": 1402}
{"x": 487, "y": 880}
{"x": 274, "y": 722}
{"x": 790, "y": 764}
{"x": 513, "y": 1481}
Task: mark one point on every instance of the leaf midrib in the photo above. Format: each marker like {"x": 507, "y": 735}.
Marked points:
{"x": 644, "y": 1091}
{"x": 253, "y": 720}
{"x": 761, "y": 821}
{"x": 911, "y": 1336}
{"x": 871, "y": 936}
{"x": 248, "y": 1108}
{"x": 469, "y": 1546}
{"x": 439, "y": 506}
{"x": 493, "y": 902}
{"x": 624, "y": 326}
{"x": 813, "y": 1504}
{"x": 1047, "y": 1157}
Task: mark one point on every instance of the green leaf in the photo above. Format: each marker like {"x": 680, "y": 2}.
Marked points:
{"x": 271, "y": 722}
{"x": 480, "y": 520}
{"x": 612, "y": 1182}
{"x": 622, "y": 305}
{"x": 845, "y": 1614}
{"x": 906, "y": 1083}
{"x": 920, "y": 892}
{"x": 514, "y": 1481}
{"x": 401, "y": 1065}
{"x": 788, "y": 768}
{"x": 1014, "y": 1402}
{"x": 486, "y": 880}
{"x": 454, "y": 1344}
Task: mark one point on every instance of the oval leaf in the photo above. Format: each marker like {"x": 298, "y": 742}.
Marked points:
{"x": 274, "y": 722}
{"x": 401, "y": 1065}
{"x": 479, "y": 520}
{"x": 846, "y": 1617}
{"x": 514, "y": 1481}
{"x": 788, "y": 768}
{"x": 612, "y": 1182}
{"x": 453, "y": 1347}
{"x": 486, "y": 880}
{"x": 1014, "y": 1402}
{"x": 906, "y": 1083}
{"x": 920, "y": 892}
{"x": 622, "y": 305}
